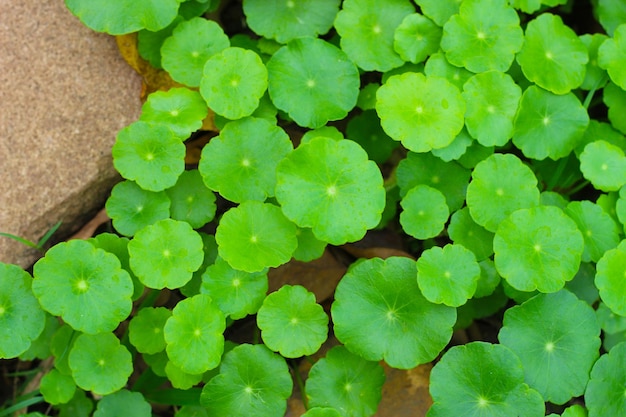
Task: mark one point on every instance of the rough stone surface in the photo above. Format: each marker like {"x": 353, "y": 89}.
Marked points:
{"x": 64, "y": 93}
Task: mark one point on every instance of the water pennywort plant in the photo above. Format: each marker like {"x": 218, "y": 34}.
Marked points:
{"x": 488, "y": 147}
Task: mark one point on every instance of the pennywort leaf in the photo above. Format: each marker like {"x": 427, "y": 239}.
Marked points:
{"x": 241, "y": 162}
{"x": 482, "y": 41}
{"x": 331, "y": 187}
{"x": 255, "y": 236}
{"x": 605, "y": 392}
{"x": 465, "y": 231}
{"x": 191, "y": 201}
{"x": 72, "y": 280}
{"x": 145, "y": 330}
{"x": 252, "y": 381}
{"x": 416, "y": 38}
{"x": 604, "y": 165}
{"x": 194, "y": 334}
{"x": 292, "y": 323}
{"x": 424, "y": 212}
{"x": 598, "y": 229}
{"x": 181, "y": 109}
{"x": 313, "y": 81}
{"x": 378, "y": 306}
{"x": 609, "y": 279}
{"x": 612, "y": 55}
{"x": 557, "y": 338}
{"x": 123, "y": 402}
{"x": 538, "y": 248}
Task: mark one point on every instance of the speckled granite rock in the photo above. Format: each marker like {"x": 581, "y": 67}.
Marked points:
{"x": 64, "y": 93}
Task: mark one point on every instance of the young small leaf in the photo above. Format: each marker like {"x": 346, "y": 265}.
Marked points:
{"x": 424, "y": 212}
{"x": 181, "y": 109}
{"x": 191, "y": 201}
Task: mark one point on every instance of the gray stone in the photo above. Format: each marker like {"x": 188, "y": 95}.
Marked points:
{"x": 65, "y": 91}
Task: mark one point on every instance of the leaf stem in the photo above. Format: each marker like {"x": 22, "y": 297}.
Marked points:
{"x": 591, "y": 92}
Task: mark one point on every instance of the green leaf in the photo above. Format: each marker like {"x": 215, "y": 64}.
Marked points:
{"x": 309, "y": 247}
{"x": 482, "y": 41}
{"x": 422, "y": 112}
{"x": 233, "y": 82}
{"x": 439, "y": 10}
{"x": 179, "y": 378}
{"x": 492, "y": 99}
{"x": 448, "y": 275}
{"x": 255, "y": 236}
{"x": 79, "y": 406}
{"x": 367, "y": 97}
{"x": 322, "y": 412}
{"x": 557, "y": 338}
{"x": 367, "y": 28}
{"x": 595, "y": 76}
{"x": 21, "y": 318}
{"x": 378, "y": 308}
{"x": 423, "y": 168}
{"x": 192, "y": 202}
{"x": 438, "y": 66}
{"x": 538, "y": 248}
{"x": 192, "y": 43}
{"x": 313, "y": 81}
{"x": 611, "y": 13}
{"x": 132, "y": 208}
{"x": 100, "y": 363}
{"x": 500, "y": 185}
{"x": 241, "y": 162}
{"x": 465, "y": 231}
{"x": 285, "y": 21}
{"x": 72, "y": 281}
{"x": 610, "y": 279}
{"x": 180, "y": 109}
{"x": 345, "y": 382}
{"x": 236, "y": 293}
{"x": 145, "y": 330}
{"x": 615, "y": 99}
{"x": 553, "y": 56}
{"x": 331, "y": 187}
{"x": 416, "y": 38}
{"x": 165, "y": 254}
{"x": 365, "y": 130}
{"x": 605, "y": 392}
{"x": 57, "y": 388}
{"x": 149, "y": 43}
{"x": 150, "y": 154}
{"x": 424, "y": 212}
{"x": 604, "y": 165}
{"x": 480, "y": 379}
{"x": 549, "y": 125}
{"x": 598, "y": 229}
{"x": 253, "y": 381}
{"x": 122, "y": 403}
{"x": 194, "y": 334}
{"x": 124, "y": 16}
{"x": 454, "y": 151}
{"x": 40, "y": 347}
{"x": 292, "y": 323}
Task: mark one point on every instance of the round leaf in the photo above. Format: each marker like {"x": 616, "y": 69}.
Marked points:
{"x": 57, "y": 388}
{"x": 21, "y": 318}
{"x": 416, "y": 38}
{"x": 480, "y": 379}
{"x": 500, "y": 185}
{"x": 122, "y": 403}
{"x": 553, "y": 56}
{"x": 439, "y": 10}
{"x": 132, "y": 208}
{"x": 75, "y": 279}
{"x": 253, "y": 381}
{"x": 365, "y": 129}
{"x": 615, "y": 99}
{"x": 292, "y": 323}
{"x": 492, "y": 98}
{"x": 241, "y": 162}
{"x": 465, "y": 231}
{"x": 236, "y": 293}
{"x": 538, "y": 248}
{"x": 331, "y": 186}
{"x": 192, "y": 43}
{"x": 610, "y": 279}
{"x": 165, "y": 254}
{"x": 367, "y": 28}
{"x": 145, "y": 330}
{"x": 557, "y": 338}
{"x": 597, "y": 227}
{"x": 123, "y": 16}
{"x": 378, "y": 309}
{"x": 234, "y": 81}
{"x": 255, "y": 236}
{"x": 549, "y": 125}
{"x": 150, "y": 154}
{"x": 612, "y": 55}
{"x": 313, "y": 81}
{"x": 194, "y": 334}
{"x": 99, "y": 363}
{"x": 448, "y": 276}
{"x": 191, "y": 201}
{"x": 422, "y": 112}
{"x": 345, "y": 382}
{"x": 424, "y": 212}
{"x": 181, "y": 109}
{"x": 604, "y": 165}
{"x": 482, "y": 41}
{"x": 287, "y": 20}
{"x": 605, "y": 392}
